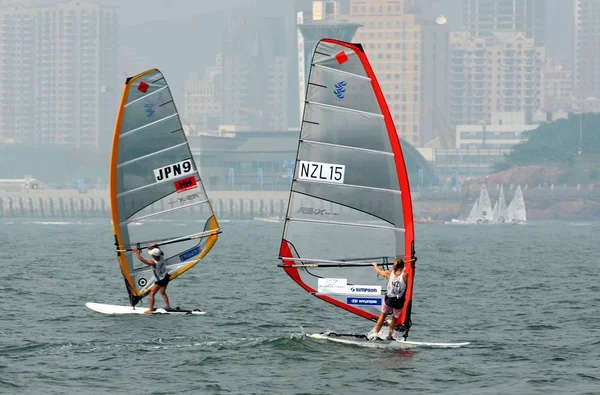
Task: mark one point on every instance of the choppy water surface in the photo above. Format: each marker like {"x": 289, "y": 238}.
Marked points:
{"x": 526, "y": 297}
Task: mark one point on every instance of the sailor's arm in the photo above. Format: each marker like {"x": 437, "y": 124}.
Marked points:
{"x": 384, "y": 273}
{"x": 141, "y": 258}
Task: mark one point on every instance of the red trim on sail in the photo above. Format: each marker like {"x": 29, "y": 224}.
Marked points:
{"x": 403, "y": 182}
{"x": 286, "y": 252}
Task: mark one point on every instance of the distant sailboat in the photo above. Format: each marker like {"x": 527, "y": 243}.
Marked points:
{"x": 485, "y": 212}
{"x": 500, "y": 209}
{"x": 481, "y": 212}
{"x": 516, "y": 213}
{"x": 474, "y": 213}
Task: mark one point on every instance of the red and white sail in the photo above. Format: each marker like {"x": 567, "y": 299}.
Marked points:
{"x": 350, "y": 201}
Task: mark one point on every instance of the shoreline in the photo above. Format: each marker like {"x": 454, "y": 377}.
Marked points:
{"x": 439, "y": 206}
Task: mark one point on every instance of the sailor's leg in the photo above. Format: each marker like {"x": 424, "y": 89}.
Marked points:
{"x": 385, "y": 310}
{"x": 392, "y": 325}
{"x": 163, "y": 293}
{"x": 380, "y": 322}
{"x": 153, "y": 291}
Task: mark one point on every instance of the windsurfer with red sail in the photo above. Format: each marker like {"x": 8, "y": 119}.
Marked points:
{"x": 394, "y": 298}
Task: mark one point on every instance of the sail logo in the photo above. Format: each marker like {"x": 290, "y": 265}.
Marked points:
{"x": 365, "y": 289}
{"x": 189, "y": 254}
{"x": 317, "y": 171}
{"x": 314, "y": 211}
{"x": 149, "y": 109}
{"x": 332, "y": 285}
{"x": 174, "y": 170}
{"x": 340, "y": 90}
{"x": 364, "y": 301}
{"x": 186, "y": 184}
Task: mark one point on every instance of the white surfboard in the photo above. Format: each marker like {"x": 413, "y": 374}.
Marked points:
{"x": 348, "y": 339}
{"x": 115, "y": 309}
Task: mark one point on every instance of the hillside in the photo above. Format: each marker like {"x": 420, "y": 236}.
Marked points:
{"x": 566, "y": 151}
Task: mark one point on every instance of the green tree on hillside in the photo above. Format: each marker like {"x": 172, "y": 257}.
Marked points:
{"x": 558, "y": 142}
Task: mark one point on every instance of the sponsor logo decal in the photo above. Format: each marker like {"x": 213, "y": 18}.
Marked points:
{"x": 186, "y": 184}
{"x": 340, "y": 90}
{"x": 317, "y": 171}
{"x": 332, "y": 285}
{"x": 365, "y": 289}
{"x": 174, "y": 170}
{"x": 142, "y": 282}
{"x": 149, "y": 109}
{"x": 185, "y": 199}
{"x": 189, "y": 254}
{"x": 314, "y": 211}
{"x": 364, "y": 301}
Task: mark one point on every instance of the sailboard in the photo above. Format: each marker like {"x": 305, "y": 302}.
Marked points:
{"x": 362, "y": 340}
{"x": 116, "y": 309}
{"x": 154, "y": 185}
{"x": 350, "y": 202}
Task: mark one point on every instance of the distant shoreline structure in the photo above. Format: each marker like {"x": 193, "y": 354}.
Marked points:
{"x": 567, "y": 203}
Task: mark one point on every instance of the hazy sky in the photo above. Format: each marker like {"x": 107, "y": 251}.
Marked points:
{"x": 134, "y": 12}
{"x": 183, "y": 36}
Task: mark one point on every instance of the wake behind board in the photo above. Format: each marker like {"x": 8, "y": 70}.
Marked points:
{"x": 114, "y": 309}
{"x": 361, "y": 340}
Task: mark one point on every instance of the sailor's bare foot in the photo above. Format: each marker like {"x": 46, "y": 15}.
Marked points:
{"x": 148, "y": 311}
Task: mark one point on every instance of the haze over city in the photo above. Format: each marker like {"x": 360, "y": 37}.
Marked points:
{"x": 238, "y": 78}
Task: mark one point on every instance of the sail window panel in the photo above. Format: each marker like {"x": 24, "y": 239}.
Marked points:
{"x": 141, "y": 173}
{"x": 328, "y": 86}
{"x": 348, "y": 128}
{"x": 149, "y": 109}
{"x": 194, "y": 200}
{"x": 136, "y": 201}
{"x": 312, "y": 200}
{"x": 334, "y": 242}
{"x": 154, "y": 138}
{"x": 361, "y": 168}
{"x": 153, "y": 231}
{"x": 329, "y": 55}
{"x": 143, "y": 276}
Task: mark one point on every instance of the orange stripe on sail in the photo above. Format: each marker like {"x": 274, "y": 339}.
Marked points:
{"x": 114, "y": 159}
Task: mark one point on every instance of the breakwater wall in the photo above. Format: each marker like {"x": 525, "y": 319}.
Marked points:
{"x": 95, "y": 205}
{"x": 542, "y": 202}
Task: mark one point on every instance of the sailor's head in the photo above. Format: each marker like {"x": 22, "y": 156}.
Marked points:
{"x": 398, "y": 264}
{"x": 155, "y": 251}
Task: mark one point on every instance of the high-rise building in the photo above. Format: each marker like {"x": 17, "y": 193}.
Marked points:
{"x": 203, "y": 99}
{"x": 587, "y": 48}
{"x": 484, "y": 17}
{"x": 325, "y": 23}
{"x": 59, "y": 73}
{"x": 503, "y": 74}
{"x": 407, "y": 48}
{"x": 255, "y": 73}
{"x": 17, "y": 72}
{"x": 558, "y": 87}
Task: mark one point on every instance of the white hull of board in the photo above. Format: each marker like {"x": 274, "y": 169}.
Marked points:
{"x": 115, "y": 309}
{"x": 384, "y": 343}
